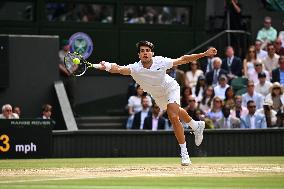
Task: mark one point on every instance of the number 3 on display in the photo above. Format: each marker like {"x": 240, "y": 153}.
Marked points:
{"x": 5, "y": 140}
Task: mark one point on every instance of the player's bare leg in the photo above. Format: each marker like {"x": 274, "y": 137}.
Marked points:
{"x": 197, "y": 126}
{"x": 173, "y": 114}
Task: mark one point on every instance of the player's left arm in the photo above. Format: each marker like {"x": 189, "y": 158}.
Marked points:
{"x": 193, "y": 57}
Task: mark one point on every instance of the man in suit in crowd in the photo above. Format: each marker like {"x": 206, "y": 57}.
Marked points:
{"x": 154, "y": 122}
{"x": 139, "y": 117}
{"x": 213, "y": 76}
{"x": 253, "y": 120}
{"x": 278, "y": 73}
{"x": 251, "y": 94}
{"x": 228, "y": 122}
{"x": 232, "y": 64}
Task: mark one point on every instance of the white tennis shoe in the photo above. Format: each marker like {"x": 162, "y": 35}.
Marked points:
{"x": 198, "y": 133}
{"x": 185, "y": 160}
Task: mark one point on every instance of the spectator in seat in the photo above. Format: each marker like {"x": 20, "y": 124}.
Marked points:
{"x": 263, "y": 85}
{"x": 215, "y": 112}
{"x": 229, "y": 97}
{"x": 213, "y": 76}
{"x": 271, "y": 60}
{"x": 258, "y": 68}
{"x": 134, "y": 105}
{"x": 192, "y": 75}
{"x": 267, "y": 34}
{"x": 186, "y": 92}
{"x": 239, "y": 110}
{"x": 277, "y": 96}
{"x": 253, "y": 120}
{"x": 46, "y": 111}
{"x": 278, "y": 73}
{"x": 200, "y": 87}
{"x": 206, "y": 102}
{"x": 252, "y": 95}
{"x": 278, "y": 47}
{"x": 249, "y": 61}
{"x": 192, "y": 107}
{"x": 220, "y": 89}
{"x": 154, "y": 122}
{"x": 228, "y": 121}
{"x": 269, "y": 113}
{"x": 139, "y": 117}
{"x": 260, "y": 53}
{"x": 17, "y": 110}
{"x": 232, "y": 64}
{"x": 7, "y": 112}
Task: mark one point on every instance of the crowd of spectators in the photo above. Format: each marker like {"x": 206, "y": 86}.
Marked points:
{"x": 155, "y": 15}
{"x": 75, "y": 12}
{"x": 231, "y": 92}
{"x": 9, "y": 112}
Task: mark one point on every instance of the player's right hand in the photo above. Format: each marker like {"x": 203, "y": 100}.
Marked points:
{"x": 103, "y": 66}
{"x": 211, "y": 52}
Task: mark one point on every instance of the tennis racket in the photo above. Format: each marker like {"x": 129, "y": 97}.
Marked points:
{"x": 77, "y": 68}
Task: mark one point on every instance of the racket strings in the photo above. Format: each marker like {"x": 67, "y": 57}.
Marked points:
{"x": 75, "y": 69}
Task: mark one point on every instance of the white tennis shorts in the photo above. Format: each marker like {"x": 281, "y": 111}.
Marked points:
{"x": 172, "y": 95}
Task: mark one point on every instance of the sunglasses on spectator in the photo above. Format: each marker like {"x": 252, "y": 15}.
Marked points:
{"x": 252, "y": 106}
{"x": 191, "y": 100}
{"x": 8, "y": 110}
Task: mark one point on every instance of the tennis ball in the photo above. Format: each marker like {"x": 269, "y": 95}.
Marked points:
{"x": 76, "y": 61}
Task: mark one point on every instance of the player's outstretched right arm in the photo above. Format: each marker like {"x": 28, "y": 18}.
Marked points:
{"x": 114, "y": 68}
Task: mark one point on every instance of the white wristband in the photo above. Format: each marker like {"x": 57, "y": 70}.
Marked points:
{"x": 108, "y": 66}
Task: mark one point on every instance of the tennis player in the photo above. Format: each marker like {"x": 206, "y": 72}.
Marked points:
{"x": 150, "y": 74}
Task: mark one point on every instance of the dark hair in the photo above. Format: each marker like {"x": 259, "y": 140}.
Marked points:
{"x": 197, "y": 87}
{"x": 203, "y": 101}
{"x": 144, "y": 43}
{"x": 226, "y": 93}
{"x": 249, "y": 102}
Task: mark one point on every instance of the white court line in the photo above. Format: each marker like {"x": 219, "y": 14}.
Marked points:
{"x": 44, "y": 179}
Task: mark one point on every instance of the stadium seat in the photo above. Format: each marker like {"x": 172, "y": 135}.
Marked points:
{"x": 241, "y": 91}
{"x": 239, "y": 83}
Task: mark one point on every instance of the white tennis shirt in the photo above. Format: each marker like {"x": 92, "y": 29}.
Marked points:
{"x": 154, "y": 80}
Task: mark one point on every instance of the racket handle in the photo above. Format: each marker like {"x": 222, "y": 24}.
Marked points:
{"x": 97, "y": 66}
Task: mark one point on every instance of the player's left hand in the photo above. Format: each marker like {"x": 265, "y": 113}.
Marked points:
{"x": 211, "y": 52}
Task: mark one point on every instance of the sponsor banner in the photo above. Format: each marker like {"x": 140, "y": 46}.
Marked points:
{"x": 21, "y": 138}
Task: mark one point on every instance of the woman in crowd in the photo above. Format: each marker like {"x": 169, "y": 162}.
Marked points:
{"x": 199, "y": 89}
{"x": 229, "y": 97}
{"x": 192, "y": 75}
{"x": 248, "y": 63}
{"x": 277, "y": 96}
{"x": 206, "y": 102}
{"x": 215, "y": 112}
{"x": 186, "y": 92}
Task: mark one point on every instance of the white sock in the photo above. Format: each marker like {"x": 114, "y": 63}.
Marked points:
{"x": 192, "y": 124}
{"x": 183, "y": 147}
